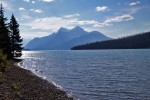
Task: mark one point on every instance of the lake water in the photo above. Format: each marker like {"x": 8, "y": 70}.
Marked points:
{"x": 95, "y": 75}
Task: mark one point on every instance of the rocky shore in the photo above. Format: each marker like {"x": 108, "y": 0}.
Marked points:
{"x": 20, "y": 84}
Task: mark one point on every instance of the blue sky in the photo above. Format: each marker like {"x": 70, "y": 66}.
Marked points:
{"x": 114, "y": 18}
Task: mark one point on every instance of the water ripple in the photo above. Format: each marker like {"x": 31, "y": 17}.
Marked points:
{"x": 95, "y": 75}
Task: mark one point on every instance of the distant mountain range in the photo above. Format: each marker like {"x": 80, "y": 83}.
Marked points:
{"x": 138, "y": 41}
{"x": 65, "y": 39}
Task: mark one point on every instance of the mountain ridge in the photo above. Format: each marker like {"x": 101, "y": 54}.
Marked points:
{"x": 64, "y": 39}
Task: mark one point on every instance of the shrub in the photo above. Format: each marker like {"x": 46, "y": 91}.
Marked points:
{"x": 16, "y": 86}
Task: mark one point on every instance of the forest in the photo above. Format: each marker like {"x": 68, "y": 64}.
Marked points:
{"x": 10, "y": 39}
{"x": 138, "y": 41}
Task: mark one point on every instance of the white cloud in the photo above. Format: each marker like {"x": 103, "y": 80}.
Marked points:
{"x": 134, "y": 3}
{"x": 26, "y": 0}
{"x": 82, "y": 22}
{"x": 101, "y": 8}
{"x": 129, "y": 10}
{"x": 119, "y": 19}
{"x": 31, "y": 35}
{"x": 71, "y": 16}
{"x": 51, "y": 23}
{"x": 48, "y": 23}
{"x": 22, "y": 9}
{"x": 134, "y": 10}
{"x": 116, "y": 19}
{"x": 98, "y": 25}
{"x": 36, "y": 10}
{"x": 33, "y": 2}
{"x": 25, "y": 15}
{"x": 48, "y": 0}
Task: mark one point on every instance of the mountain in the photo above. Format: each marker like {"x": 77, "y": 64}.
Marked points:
{"x": 88, "y": 38}
{"x": 64, "y": 39}
{"x": 138, "y": 41}
{"x": 26, "y": 41}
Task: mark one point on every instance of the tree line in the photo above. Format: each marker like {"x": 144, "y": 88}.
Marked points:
{"x": 138, "y": 41}
{"x": 10, "y": 39}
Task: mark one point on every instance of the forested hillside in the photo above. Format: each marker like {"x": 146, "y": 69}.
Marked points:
{"x": 137, "y": 41}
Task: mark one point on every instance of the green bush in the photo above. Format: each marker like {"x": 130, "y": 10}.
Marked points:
{"x": 15, "y": 86}
{"x": 3, "y": 61}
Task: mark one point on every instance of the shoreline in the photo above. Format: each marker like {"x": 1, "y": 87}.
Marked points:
{"x": 19, "y": 83}
{"x": 34, "y": 73}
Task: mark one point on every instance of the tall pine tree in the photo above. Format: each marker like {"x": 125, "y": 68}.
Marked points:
{"x": 5, "y": 43}
{"x": 16, "y": 40}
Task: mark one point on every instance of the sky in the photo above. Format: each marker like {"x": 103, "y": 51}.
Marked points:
{"x": 114, "y": 18}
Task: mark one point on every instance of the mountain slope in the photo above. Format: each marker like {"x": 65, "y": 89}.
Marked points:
{"x": 138, "y": 41}
{"x": 65, "y": 39}
{"x": 88, "y": 38}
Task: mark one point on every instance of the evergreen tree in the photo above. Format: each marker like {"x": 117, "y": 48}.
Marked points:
{"x": 4, "y": 34}
{"x": 16, "y": 40}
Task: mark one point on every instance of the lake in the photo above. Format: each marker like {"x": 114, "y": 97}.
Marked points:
{"x": 94, "y": 75}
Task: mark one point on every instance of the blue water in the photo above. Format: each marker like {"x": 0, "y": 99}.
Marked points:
{"x": 95, "y": 75}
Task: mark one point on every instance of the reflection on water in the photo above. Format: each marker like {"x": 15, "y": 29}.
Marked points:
{"x": 95, "y": 75}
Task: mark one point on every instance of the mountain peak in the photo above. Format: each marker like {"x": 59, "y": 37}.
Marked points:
{"x": 65, "y": 39}
{"x": 62, "y": 29}
{"x": 77, "y": 28}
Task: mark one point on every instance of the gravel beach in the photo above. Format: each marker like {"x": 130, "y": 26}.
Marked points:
{"x": 20, "y": 84}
